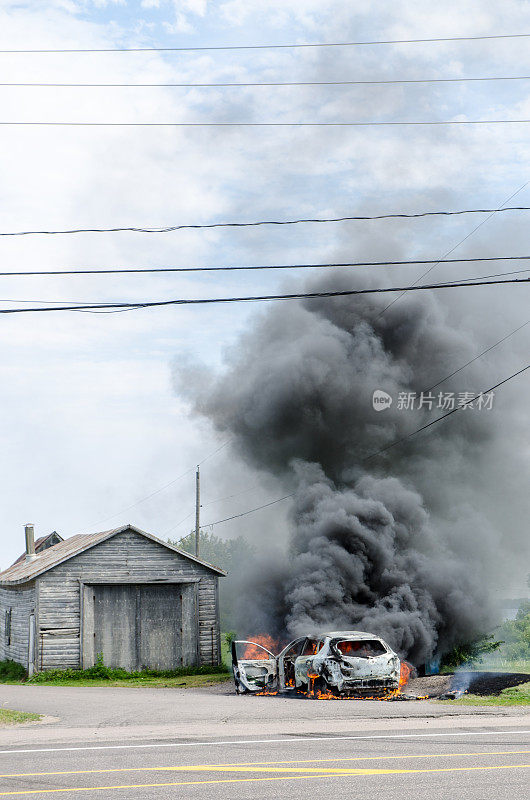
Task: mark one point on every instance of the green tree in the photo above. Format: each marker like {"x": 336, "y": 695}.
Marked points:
{"x": 470, "y": 653}
{"x": 232, "y": 555}
{"x": 516, "y": 634}
{"x": 226, "y": 554}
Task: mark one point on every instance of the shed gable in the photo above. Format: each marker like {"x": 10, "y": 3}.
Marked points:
{"x": 127, "y": 557}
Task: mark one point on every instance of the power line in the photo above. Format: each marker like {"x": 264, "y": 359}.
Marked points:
{"x": 49, "y": 302}
{"x": 243, "y": 84}
{"x": 268, "y": 46}
{"x": 83, "y": 303}
{"x": 245, "y": 513}
{"x": 382, "y": 450}
{"x": 444, "y": 416}
{"x": 357, "y": 124}
{"x": 210, "y": 503}
{"x": 211, "y": 455}
{"x": 483, "y": 353}
{"x": 457, "y": 245}
{"x": 172, "y": 228}
{"x": 240, "y": 267}
{"x": 161, "y": 489}
{"x": 143, "y": 499}
{"x": 268, "y": 297}
{"x": 231, "y": 496}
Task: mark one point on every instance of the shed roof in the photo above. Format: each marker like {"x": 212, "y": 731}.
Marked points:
{"x": 42, "y": 543}
{"x": 22, "y": 572}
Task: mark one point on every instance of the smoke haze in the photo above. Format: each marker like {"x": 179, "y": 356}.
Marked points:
{"x": 388, "y": 544}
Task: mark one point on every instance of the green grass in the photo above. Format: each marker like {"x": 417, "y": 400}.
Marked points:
{"x": 226, "y": 654}
{"x": 101, "y": 675}
{"x": 513, "y": 696}
{"x": 179, "y": 682}
{"x": 8, "y": 717}
{"x": 505, "y": 665}
{"x": 500, "y": 665}
{"x": 11, "y": 671}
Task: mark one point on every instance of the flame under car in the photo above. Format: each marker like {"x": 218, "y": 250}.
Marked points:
{"x": 340, "y": 662}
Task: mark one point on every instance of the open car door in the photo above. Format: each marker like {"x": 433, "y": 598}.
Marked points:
{"x": 255, "y": 668}
{"x": 286, "y": 661}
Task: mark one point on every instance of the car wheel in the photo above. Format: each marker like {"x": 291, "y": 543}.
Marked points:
{"x": 316, "y": 686}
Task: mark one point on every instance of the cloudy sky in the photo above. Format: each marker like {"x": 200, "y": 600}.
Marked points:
{"x": 91, "y": 423}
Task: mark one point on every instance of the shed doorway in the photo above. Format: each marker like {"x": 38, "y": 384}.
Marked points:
{"x": 137, "y": 626}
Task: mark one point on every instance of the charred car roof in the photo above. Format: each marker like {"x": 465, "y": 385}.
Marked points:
{"x": 346, "y": 635}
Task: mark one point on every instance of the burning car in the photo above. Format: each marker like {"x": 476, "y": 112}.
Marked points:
{"x": 341, "y": 663}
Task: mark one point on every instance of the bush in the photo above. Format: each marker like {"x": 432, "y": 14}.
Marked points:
{"x": 101, "y": 672}
{"x": 12, "y": 671}
{"x": 516, "y": 634}
{"x": 470, "y": 653}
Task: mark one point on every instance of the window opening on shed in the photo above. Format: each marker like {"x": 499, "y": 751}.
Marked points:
{"x": 7, "y": 626}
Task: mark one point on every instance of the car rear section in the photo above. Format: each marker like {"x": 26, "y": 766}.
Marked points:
{"x": 349, "y": 665}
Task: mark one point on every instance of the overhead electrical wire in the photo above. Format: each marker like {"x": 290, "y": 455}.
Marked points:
{"x": 244, "y": 84}
{"x": 81, "y": 305}
{"x": 261, "y": 298}
{"x": 444, "y": 416}
{"x": 471, "y": 361}
{"x": 210, "y": 503}
{"x": 143, "y": 499}
{"x": 244, "y": 514}
{"x": 360, "y": 218}
{"x": 250, "y": 267}
{"x": 457, "y": 245}
{"x": 190, "y": 49}
{"x": 161, "y": 488}
{"x": 384, "y": 449}
{"x": 356, "y": 124}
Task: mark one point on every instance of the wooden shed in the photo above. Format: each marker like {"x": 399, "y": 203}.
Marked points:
{"x": 124, "y": 593}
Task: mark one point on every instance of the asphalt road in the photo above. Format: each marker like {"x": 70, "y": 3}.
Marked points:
{"x": 152, "y": 743}
{"x": 106, "y": 712}
{"x": 475, "y": 765}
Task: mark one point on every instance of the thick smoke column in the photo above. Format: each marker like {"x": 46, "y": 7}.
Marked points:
{"x": 371, "y": 545}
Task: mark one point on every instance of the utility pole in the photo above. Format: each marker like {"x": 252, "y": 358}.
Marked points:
{"x": 197, "y": 510}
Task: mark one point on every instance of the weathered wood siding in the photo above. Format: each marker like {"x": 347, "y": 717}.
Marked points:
{"x": 127, "y": 557}
{"x": 21, "y": 601}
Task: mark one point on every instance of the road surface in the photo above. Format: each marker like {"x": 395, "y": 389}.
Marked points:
{"x": 160, "y": 744}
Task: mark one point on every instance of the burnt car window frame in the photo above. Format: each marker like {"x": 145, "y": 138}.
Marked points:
{"x": 236, "y": 657}
{"x": 317, "y": 643}
{"x": 337, "y": 642}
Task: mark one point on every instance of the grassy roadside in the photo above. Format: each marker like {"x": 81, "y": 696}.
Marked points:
{"x": 101, "y": 675}
{"x": 513, "y": 696}
{"x": 179, "y": 682}
{"x": 8, "y": 717}
{"x": 506, "y": 666}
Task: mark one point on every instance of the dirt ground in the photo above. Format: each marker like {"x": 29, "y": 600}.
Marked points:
{"x": 479, "y": 683}
{"x": 487, "y": 683}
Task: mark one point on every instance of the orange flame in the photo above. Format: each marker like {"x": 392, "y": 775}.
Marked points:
{"x": 256, "y": 653}
{"x": 253, "y": 652}
{"x": 404, "y": 674}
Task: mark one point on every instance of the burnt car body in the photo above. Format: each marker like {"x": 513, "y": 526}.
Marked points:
{"x": 341, "y": 662}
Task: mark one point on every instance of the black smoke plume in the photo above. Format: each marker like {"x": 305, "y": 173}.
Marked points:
{"x": 385, "y": 544}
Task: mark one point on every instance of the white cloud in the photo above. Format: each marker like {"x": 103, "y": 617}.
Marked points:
{"x": 89, "y": 422}
{"x": 280, "y": 13}
{"x": 193, "y": 6}
{"x": 184, "y": 13}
